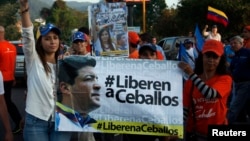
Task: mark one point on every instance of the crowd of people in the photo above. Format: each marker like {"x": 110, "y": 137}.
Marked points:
{"x": 215, "y": 89}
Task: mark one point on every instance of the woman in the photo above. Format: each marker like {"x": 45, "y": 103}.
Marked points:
{"x": 105, "y": 40}
{"x": 41, "y": 59}
{"x": 207, "y": 90}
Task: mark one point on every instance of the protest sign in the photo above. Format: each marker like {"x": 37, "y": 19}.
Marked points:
{"x": 132, "y": 96}
{"x": 108, "y": 24}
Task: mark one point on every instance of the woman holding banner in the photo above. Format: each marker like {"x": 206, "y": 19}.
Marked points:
{"x": 41, "y": 59}
{"x": 207, "y": 90}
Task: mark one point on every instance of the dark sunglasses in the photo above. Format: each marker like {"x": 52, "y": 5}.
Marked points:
{"x": 211, "y": 55}
{"x": 79, "y": 41}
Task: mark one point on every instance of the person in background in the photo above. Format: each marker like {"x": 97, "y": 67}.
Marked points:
{"x": 188, "y": 56}
{"x": 211, "y": 34}
{"x": 154, "y": 40}
{"x": 190, "y": 52}
{"x": 246, "y": 36}
{"x": 85, "y": 30}
{"x": 134, "y": 40}
{"x": 239, "y": 110}
{"x": 7, "y": 66}
{"x": 229, "y": 53}
{"x": 148, "y": 51}
{"x": 41, "y": 60}
{"x": 206, "y": 92}
{"x": 190, "y": 34}
{"x": 80, "y": 43}
{"x": 147, "y": 38}
{"x": 4, "y": 113}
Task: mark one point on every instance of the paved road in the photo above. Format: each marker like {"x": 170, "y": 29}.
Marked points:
{"x": 18, "y": 98}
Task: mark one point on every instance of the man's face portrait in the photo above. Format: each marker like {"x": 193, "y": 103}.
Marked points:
{"x": 78, "y": 84}
{"x": 86, "y": 91}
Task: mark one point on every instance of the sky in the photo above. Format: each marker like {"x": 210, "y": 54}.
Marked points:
{"x": 169, "y": 2}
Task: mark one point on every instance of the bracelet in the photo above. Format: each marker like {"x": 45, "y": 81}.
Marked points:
{"x": 24, "y": 11}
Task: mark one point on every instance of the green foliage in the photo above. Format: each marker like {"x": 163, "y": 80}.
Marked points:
{"x": 154, "y": 10}
{"x": 8, "y": 19}
{"x": 11, "y": 33}
{"x": 66, "y": 19}
{"x": 2, "y": 2}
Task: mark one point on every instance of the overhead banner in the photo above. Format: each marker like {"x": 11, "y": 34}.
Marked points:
{"x": 119, "y": 95}
{"x": 108, "y": 24}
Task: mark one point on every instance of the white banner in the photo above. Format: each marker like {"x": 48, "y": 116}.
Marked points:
{"x": 137, "y": 96}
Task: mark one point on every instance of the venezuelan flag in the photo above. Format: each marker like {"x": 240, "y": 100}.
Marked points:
{"x": 217, "y": 16}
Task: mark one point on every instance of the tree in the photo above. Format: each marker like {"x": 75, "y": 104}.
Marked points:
{"x": 154, "y": 11}
{"x": 65, "y": 18}
{"x": 165, "y": 25}
{"x": 8, "y": 19}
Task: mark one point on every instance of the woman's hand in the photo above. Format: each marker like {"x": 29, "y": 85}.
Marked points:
{"x": 186, "y": 68}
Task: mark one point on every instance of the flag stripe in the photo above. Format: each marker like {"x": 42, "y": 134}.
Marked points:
{"x": 216, "y": 15}
{"x": 217, "y": 19}
{"x": 216, "y": 11}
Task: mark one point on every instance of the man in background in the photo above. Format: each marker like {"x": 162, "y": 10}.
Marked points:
{"x": 7, "y": 67}
{"x": 154, "y": 40}
{"x": 212, "y": 34}
{"x": 147, "y": 38}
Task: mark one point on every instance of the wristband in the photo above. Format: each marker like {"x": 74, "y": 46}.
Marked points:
{"x": 24, "y": 11}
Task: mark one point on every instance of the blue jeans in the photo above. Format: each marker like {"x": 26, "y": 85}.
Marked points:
{"x": 36, "y": 129}
{"x": 239, "y": 101}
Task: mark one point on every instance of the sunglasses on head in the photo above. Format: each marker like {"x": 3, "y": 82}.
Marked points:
{"x": 211, "y": 55}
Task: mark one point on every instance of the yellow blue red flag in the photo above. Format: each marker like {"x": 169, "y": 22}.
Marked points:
{"x": 217, "y": 16}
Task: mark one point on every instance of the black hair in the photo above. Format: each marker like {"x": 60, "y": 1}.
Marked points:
{"x": 146, "y": 37}
{"x": 84, "y": 30}
{"x": 69, "y": 66}
{"x": 221, "y": 69}
{"x": 41, "y": 53}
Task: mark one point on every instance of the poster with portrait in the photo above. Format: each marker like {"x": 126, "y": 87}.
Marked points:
{"x": 119, "y": 95}
{"x": 108, "y": 26}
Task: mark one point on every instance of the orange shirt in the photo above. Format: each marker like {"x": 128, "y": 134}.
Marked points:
{"x": 134, "y": 54}
{"x": 159, "y": 55}
{"x": 7, "y": 60}
{"x": 207, "y": 111}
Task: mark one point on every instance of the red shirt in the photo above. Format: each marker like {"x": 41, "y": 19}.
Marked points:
{"x": 207, "y": 111}
{"x": 7, "y": 60}
{"x": 134, "y": 54}
{"x": 247, "y": 43}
